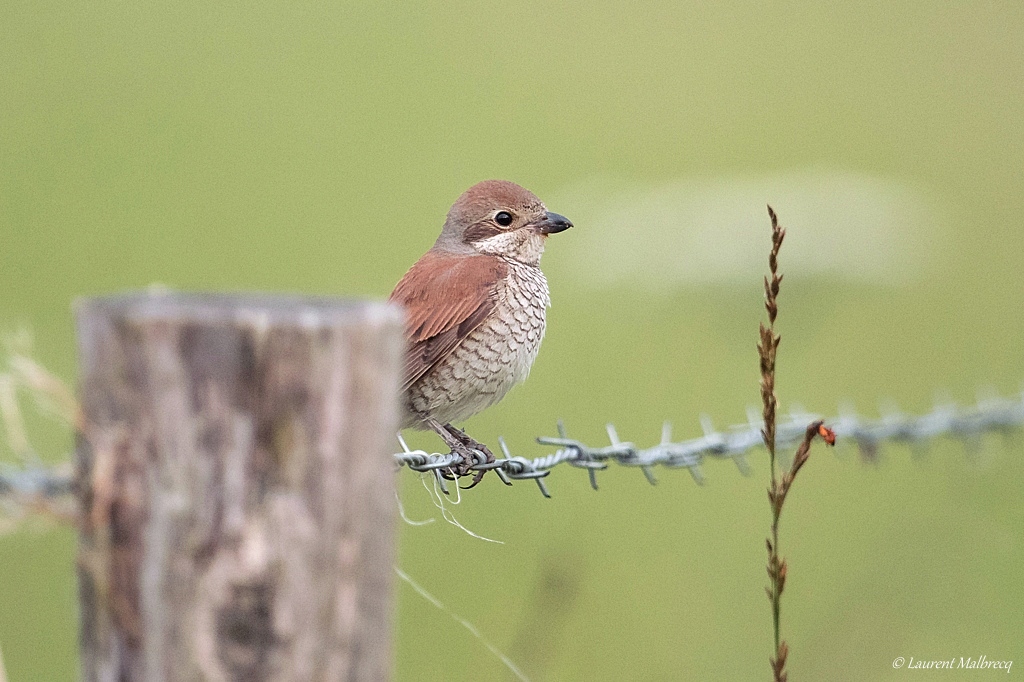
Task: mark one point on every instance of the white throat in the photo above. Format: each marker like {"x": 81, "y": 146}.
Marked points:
{"x": 524, "y": 245}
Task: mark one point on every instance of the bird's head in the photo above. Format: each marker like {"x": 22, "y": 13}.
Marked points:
{"x": 500, "y": 218}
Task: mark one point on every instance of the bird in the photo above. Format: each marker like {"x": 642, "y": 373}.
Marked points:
{"x": 475, "y": 312}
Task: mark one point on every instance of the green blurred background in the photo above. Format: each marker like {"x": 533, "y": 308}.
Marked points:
{"x": 316, "y": 149}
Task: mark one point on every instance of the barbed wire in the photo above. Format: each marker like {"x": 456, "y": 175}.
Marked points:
{"x": 33, "y": 485}
{"x": 945, "y": 420}
{"x": 35, "y": 490}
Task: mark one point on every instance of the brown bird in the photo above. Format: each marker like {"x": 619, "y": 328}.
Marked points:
{"x": 475, "y": 310}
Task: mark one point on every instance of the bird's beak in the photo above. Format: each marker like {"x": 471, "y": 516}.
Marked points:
{"x": 552, "y": 223}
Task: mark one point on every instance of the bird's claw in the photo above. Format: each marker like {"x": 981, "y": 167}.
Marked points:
{"x": 471, "y": 451}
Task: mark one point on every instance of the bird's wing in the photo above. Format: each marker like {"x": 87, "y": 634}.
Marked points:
{"x": 445, "y": 298}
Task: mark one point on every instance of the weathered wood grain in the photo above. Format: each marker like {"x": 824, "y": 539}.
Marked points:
{"x": 235, "y": 478}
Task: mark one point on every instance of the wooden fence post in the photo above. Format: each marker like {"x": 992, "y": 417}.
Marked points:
{"x": 236, "y": 487}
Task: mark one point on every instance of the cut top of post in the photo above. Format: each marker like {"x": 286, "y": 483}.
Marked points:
{"x": 258, "y": 312}
{"x": 256, "y": 309}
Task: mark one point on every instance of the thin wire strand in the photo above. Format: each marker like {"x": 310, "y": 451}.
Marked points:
{"x": 464, "y": 623}
{"x": 406, "y": 519}
{"x": 439, "y": 501}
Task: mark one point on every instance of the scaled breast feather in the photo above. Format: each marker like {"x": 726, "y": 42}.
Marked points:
{"x": 445, "y": 298}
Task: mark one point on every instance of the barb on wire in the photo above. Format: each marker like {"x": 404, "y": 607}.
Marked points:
{"x": 35, "y": 488}
{"x": 27, "y": 484}
{"x": 944, "y": 421}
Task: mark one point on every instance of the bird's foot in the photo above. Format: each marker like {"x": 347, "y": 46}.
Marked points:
{"x": 466, "y": 447}
{"x": 473, "y": 445}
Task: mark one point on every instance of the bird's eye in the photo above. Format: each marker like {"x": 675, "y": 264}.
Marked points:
{"x": 503, "y": 218}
